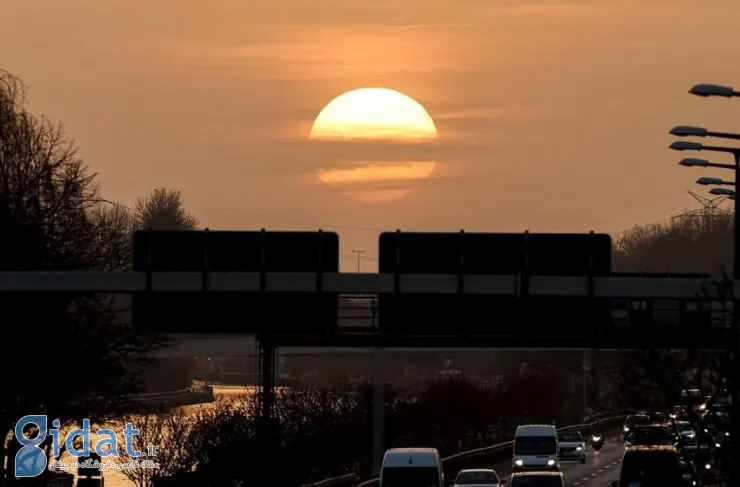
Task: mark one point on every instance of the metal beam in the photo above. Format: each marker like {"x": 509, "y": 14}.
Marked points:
{"x": 352, "y": 283}
{"x": 615, "y": 338}
{"x": 236, "y": 347}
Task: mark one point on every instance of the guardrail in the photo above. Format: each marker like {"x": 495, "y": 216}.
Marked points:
{"x": 342, "y": 480}
{"x": 492, "y": 454}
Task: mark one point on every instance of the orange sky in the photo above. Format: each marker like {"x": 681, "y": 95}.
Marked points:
{"x": 552, "y": 116}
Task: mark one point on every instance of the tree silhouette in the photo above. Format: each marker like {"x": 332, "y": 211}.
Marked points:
{"x": 697, "y": 243}
{"x": 700, "y": 243}
{"x": 61, "y": 353}
{"x": 163, "y": 210}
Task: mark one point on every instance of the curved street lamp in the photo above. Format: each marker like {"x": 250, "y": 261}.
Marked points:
{"x": 682, "y": 145}
{"x": 722, "y": 192}
{"x": 714, "y": 181}
{"x": 708, "y": 89}
{"x": 691, "y": 131}
{"x": 695, "y": 162}
{"x": 686, "y": 145}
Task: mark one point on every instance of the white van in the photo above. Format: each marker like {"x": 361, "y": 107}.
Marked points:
{"x": 535, "y": 448}
{"x": 412, "y": 467}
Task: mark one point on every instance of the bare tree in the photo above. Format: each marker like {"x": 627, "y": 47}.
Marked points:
{"x": 164, "y": 210}
{"x": 653, "y": 378}
{"x": 700, "y": 243}
{"x": 161, "y": 436}
{"x": 52, "y": 218}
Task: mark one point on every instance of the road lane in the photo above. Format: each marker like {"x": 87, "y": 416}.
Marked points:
{"x": 600, "y": 469}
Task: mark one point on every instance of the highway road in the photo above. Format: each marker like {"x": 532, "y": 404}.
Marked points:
{"x": 599, "y": 470}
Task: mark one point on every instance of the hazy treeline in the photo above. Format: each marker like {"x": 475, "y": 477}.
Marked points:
{"x": 692, "y": 243}
{"x": 695, "y": 243}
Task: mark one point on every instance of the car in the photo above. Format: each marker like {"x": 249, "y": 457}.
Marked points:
{"x": 571, "y": 446}
{"x": 634, "y": 420}
{"x": 683, "y": 430}
{"x": 652, "y": 466}
{"x": 535, "y": 447}
{"x": 679, "y": 413}
{"x": 649, "y": 435}
{"x": 412, "y": 466}
{"x": 537, "y": 479}
{"x": 478, "y": 477}
{"x": 722, "y": 439}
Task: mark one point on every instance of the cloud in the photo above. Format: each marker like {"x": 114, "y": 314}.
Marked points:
{"x": 318, "y": 53}
{"x": 544, "y": 9}
{"x": 502, "y": 113}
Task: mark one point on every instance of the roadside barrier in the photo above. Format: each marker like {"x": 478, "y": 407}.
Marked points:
{"x": 489, "y": 455}
{"x": 342, "y": 480}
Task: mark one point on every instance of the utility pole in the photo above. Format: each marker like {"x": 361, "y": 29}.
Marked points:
{"x": 586, "y": 379}
{"x": 359, "y": 256}
{"x": 378, "y": 396}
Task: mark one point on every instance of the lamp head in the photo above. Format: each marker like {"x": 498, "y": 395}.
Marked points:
{"x": 689, "y": 131}
{"x": 708, "y": 89}
{"x": 721, "y": 192}
{"x": 708, "y": 181}
{"x": 694, "y": 162}
{"x": 685, "y": 145}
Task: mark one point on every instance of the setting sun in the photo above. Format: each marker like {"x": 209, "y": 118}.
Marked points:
{"x": 375, "y": 115}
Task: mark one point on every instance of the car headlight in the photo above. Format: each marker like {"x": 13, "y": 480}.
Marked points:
{"x": 727, "y": 433}
{"x": 578, "y": 448}
{"x": 626, "y": 429}
{"x": 518, "y": 463}
{"x": 717, "y": 445}
{"x": 550, "y": 463}
{"x": 708, "y": 467}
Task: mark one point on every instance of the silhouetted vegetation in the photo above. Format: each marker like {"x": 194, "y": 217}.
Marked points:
{"x": 163, "y": 210}
{"x": 696, "y": 243}
{"x": 700, "y": 243}
{"x": 327, "y": 432}
{"x": 52, "y": 217}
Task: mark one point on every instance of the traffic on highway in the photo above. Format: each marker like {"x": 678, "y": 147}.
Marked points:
{"x": 686, "y": 446}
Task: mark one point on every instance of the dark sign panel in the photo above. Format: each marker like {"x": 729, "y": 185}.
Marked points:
{"x": 523, "y": 254}
{"x": 690, "y": 317}
{"x": 236, "y": 312}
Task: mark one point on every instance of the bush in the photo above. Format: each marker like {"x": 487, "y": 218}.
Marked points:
{"x": 326, "y": 432}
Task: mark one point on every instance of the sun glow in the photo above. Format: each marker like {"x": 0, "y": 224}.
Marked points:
{"x": 375, "y": 115}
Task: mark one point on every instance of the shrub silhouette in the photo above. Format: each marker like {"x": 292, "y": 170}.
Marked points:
{"x": 326, "y": 432}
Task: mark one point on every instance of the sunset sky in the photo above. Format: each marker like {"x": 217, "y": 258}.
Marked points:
{"x": 552, "y": 116}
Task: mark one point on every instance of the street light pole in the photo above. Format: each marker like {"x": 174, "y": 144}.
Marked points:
{"x": 359, "y": 256}
{"x": 687, "y": 131}
{"x": 735, "y": 356}
{"x": 712, "y": 90}
{"x": 586, "y": 379}
{"x": 378, "y": 382}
